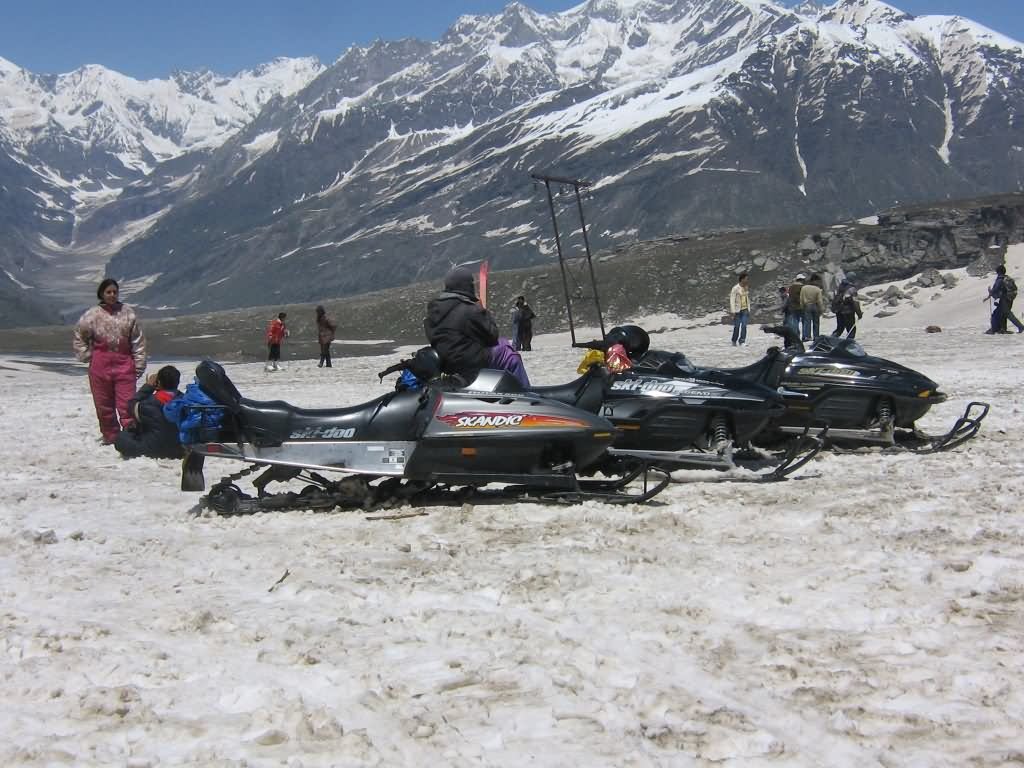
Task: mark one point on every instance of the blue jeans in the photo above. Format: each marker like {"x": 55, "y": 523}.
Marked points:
{"x": 812, "y": 323}
{"x": 739, "y": 326}
{"x": 792, "y": 320}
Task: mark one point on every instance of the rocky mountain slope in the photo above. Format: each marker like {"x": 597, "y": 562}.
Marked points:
{"x": 407, "y": 156}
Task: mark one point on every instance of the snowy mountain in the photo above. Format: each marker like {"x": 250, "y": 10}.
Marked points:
{"x": 407, "y": 156}
{"x": 76, "y": 142}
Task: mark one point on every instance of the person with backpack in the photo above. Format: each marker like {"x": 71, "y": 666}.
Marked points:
{"x": 276, "y": 333}
{"x": 848, "y": 310}
{"x": 1009, "y": 296}
{"x": 1002, "y": 294}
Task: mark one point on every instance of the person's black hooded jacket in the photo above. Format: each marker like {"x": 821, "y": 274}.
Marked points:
{"x": 461, "y": 330}
{"x": 152, "y": 434}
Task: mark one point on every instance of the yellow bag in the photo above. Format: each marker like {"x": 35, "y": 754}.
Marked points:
{"x": 593, "y": 357}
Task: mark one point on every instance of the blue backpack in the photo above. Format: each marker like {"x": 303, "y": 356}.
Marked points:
{"x": 197, "y": 416}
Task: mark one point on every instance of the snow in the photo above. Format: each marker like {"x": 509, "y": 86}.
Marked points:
{"x": 865, "y": 613}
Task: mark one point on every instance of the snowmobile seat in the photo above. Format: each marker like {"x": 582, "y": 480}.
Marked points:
{"x": 272, "y": 422}
{"x": 390, "y": 416}
{"x": 768, "y": 370}
{"x": 585, "y": 393}
{"x": 214, "y": 381}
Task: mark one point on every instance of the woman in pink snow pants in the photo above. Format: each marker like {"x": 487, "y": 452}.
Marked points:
{"x": 109, "y": 338}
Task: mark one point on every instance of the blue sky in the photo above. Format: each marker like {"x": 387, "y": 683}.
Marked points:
{"x": 146, "y": 39}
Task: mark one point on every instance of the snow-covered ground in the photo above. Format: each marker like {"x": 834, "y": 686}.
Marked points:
{"x": 867, "y": 612}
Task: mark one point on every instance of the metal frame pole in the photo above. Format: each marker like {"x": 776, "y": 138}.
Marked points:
{"x": 590, "y": 263}
{"x": 561, "y": 260}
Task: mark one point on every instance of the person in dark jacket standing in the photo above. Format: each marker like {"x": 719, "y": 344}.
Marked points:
{"x": 325, "y": 329}
{"x": 522, "y": 323}
{"x": 153, "y": 434}
{"x": 795, "y": 316}
{"x": 464, "y": 333}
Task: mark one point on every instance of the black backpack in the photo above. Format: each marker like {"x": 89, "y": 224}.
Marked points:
{"x": 1009, "y": 288}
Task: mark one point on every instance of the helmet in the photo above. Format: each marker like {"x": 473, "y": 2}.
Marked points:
{"x": 633, "y": 338}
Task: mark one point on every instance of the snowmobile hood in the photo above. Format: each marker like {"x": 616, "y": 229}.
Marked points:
{"x": 861, "y": 369}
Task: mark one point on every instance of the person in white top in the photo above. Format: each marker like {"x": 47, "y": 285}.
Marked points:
{"x": 739, "y": 306}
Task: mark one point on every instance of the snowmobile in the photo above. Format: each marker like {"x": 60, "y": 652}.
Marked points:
{"x": 665, "y": 417}
{"x": 417, "y": 446}
{"x": 837, "y": 390}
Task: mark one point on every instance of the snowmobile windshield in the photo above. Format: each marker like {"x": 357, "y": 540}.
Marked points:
{"x": 834, "y": 344}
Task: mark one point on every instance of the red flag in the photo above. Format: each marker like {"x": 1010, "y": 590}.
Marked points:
{"x": 482, "y": 280}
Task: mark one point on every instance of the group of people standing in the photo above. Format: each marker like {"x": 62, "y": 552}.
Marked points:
{"x": 277, "y": 332}
{"x": 802, "y": 304}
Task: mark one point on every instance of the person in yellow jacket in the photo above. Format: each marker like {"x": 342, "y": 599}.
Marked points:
{"x": 812, "y": 296}
{"x": 739, "y": 306}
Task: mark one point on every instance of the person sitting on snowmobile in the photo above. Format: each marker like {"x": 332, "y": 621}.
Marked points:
{"x": 464, "y": 333}
{"x": 152, "y": 434}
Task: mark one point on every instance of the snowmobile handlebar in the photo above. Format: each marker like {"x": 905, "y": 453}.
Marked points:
{"x": 791, "y": 339}
{"x": 601, "y": 345}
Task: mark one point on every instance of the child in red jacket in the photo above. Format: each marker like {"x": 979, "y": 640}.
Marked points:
{"x": 276, "y": 333}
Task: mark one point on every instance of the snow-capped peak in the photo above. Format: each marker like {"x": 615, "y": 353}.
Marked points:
{"x": 860, "y": 13}
{"x": 158, "y": 118}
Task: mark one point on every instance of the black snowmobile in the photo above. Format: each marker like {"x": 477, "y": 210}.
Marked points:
{"x": 859, "y": 399}
{"x": 666, "y": 417}
{"x": 417, "y": 446}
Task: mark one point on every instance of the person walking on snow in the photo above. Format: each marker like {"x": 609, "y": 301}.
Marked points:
{"x": 108, "y": 337}
{"x": 848, "y": 310}
{"x": 1002, "y": 293}
{"x": 739, "y": 306}
{"x": 325, "y": 329}
{"x": 276, "y": 333}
